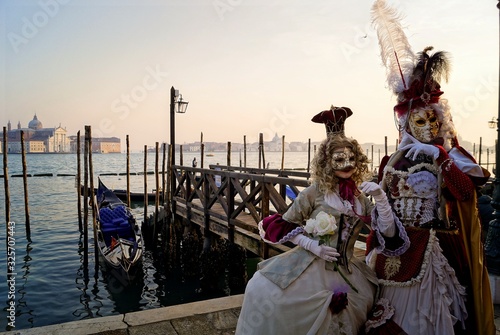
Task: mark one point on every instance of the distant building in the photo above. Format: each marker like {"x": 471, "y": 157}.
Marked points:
{"x": 37, "y": 139}
{"x": 102, "y": 145}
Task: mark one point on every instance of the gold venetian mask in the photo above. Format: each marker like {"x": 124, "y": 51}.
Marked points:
{"x": 424, "y": 125}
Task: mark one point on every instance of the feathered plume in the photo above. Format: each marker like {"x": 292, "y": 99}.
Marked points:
{"x": 396, "y": 52}
{"x": 431, "y": 68}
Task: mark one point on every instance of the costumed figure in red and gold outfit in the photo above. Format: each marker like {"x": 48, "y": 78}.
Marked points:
{"x": 319, "y": 287}
{"x": 431, "y": 271}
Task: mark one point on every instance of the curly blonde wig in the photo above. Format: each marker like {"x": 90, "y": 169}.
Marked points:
{"x": 322, "y": 171}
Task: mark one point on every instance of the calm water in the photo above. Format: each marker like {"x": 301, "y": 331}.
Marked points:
{"x": 50, "y": 283}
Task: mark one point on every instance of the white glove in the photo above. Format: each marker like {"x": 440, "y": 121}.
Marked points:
{"x": 415, "y": 147}
{"x": 386, "y": 219}
{"x": 372, "y": 189}
{"x": 322, "y": 251}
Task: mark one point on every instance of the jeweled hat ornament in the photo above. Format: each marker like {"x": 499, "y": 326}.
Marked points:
{"x": 333, "y": 119}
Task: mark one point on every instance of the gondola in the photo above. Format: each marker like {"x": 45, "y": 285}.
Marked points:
{"x": 119, "y": 237}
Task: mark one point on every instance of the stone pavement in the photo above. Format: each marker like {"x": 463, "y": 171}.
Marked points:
{"x": 209, "y": 317}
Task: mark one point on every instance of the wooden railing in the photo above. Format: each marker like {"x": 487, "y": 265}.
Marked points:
{"x": 230, "y": 201}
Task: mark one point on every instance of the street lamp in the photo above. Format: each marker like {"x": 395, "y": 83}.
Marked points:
{"x": 177, "y": 105}
{"x": 492, "y": 123}
{"x": 492, "y": 243}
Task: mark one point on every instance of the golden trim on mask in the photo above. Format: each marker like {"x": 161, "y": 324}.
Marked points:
{"x": 344, "y": 159}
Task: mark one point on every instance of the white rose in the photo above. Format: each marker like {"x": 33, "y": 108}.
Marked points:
{"x": 310, "y": 226}
{"x": 325, "y": 224}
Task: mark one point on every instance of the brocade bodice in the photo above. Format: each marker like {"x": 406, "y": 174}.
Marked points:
{"x": 413, "y": 193}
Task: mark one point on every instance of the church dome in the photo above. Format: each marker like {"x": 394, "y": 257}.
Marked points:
{"x": 35, "y": 124}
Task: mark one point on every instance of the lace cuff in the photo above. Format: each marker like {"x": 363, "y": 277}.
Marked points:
{"x": 286, "y": 238}
{"x": 381, "y": 248}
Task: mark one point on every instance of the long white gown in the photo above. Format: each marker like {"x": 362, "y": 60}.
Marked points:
{"x": 291, "y": 292}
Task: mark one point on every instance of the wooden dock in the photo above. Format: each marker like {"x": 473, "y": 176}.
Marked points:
{"x": 230, "y": 201}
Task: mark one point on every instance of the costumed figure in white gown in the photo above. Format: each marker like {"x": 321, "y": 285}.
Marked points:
{"x": 431, "y": 271}
{"x": 320, "y": 287}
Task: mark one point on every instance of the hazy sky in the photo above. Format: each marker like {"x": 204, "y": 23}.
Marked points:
{"x": 246, "y": 67}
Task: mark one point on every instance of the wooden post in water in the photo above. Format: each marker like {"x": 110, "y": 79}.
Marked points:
{"x": 145, "y": 184}
{"x": 157, "y": 188}
{"x": 25, "y": 185}
{"x": 379, "y": 158}
{"x": 372, "y": 158}
{"x": 202, "y": 151}
{"x": 128, "y": 172}
{"x": 79, "y": 180}
{"x": 92, "y": 196}
{"x": 385, "y": 146}
{"x": 181, "y": 155}
{"x": 86, "y": 201}
{"x": 308, "y": 155}
{"x": 163, "y": 182}
{"x": 480, "y": 149}
{"x": 244, "y": 150}
{"x": 168, "y": 199}
{"x": 261, "y": 146}
{"x": 260, "y": 152}
{"x": 282, "y": 152}
{"x": 228, "y": 159}
{"x": 487, "y": 158}
{"x": 6, "y": 186}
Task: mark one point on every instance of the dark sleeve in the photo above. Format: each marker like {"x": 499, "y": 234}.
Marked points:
{"x": 276, "y": 227}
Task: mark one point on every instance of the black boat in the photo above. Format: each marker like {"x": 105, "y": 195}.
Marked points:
{"x": 119, "y": 237}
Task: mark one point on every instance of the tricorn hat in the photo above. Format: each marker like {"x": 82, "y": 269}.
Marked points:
{"x": 333, "y": 119}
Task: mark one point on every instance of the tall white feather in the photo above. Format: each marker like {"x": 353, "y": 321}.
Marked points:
{"x": 397, "y": 55}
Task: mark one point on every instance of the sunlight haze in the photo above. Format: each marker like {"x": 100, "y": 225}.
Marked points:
{"x": 246, "y": 67}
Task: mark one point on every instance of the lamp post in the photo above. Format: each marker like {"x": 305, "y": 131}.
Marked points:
{"x": 177, "y": 105}
{"x": 492, "y": 244}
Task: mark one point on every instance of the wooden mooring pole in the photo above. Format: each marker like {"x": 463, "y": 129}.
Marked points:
{"x": 308, "y": 155}
{"x": 85, "y": 201}
{"x": 145, "y": 183}
{"x": 128, "y": 173}
{"x": 157, "y": 189}
{"x": 245, "y": 151}
{"x": 25, "y": 186}
{"x": 6, "y": 186}
{"x": 92, "y": 195}
{"x": 202, "y": 151}
{"x": 282, "y": 152}
{"x": 163, "y": 175}
{"x": 79, "y": 181}
{"x": 480, "y": 149}
{"x": 261, "y": 152}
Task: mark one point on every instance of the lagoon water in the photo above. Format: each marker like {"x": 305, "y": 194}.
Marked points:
{"x": 51, "y": 285}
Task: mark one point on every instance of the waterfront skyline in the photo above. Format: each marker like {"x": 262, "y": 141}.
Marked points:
{"x": 245, "y": 67}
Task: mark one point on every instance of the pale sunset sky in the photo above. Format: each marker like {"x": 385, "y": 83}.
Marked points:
{"x": 245, "y": 66}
